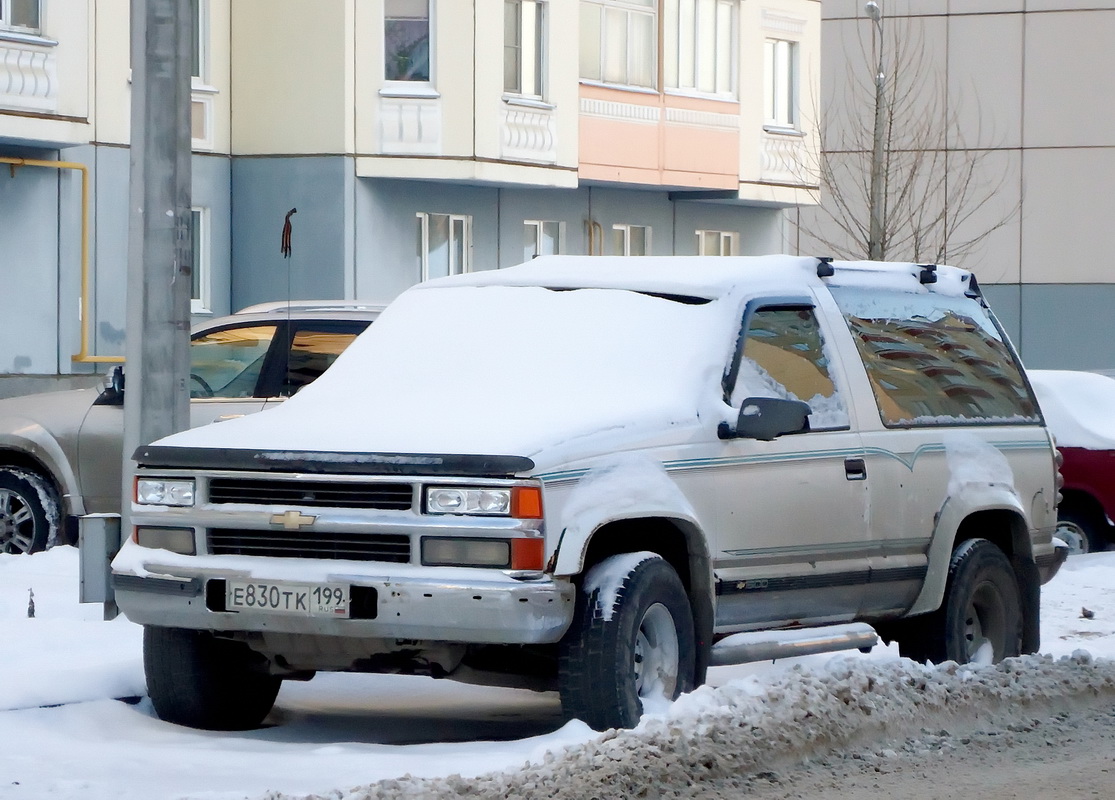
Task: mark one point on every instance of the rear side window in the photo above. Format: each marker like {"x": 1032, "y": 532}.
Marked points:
{"x": 935, "y": 359}
{"x": 312, "y": 351}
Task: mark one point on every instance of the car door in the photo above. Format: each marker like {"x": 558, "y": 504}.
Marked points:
{"x": 792, "y": 542}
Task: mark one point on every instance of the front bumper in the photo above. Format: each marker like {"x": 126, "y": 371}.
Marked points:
{"x": 446, "y": 604}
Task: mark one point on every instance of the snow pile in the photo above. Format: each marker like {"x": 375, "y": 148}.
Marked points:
{"x": 728, "y": 734}
{"x": 1079, "y": 407}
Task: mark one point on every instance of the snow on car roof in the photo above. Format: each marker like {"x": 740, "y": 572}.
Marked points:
{"x": 705, "y": 276}
{"x": 1079, "y": 407}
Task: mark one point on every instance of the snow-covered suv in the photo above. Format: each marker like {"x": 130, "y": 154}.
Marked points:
{"x": 604, "y": 475}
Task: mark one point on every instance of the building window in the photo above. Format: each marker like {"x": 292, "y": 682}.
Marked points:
{"x": 717, "y": 243}
{"x": 20, "y": 15}
{"x": 198, "y": 51}
{"x": 542, "y": 237}
{"x": 406, "y": 40}
{"x": 700, "y": 45}
{"x": 619, "y": 41}
{"x": 631, "y": 240}
{"x": 444, "y": 244}
{"x": 781, "y": 83}
{"x": 523, "y": 47}
{"x": 200, "y": 293}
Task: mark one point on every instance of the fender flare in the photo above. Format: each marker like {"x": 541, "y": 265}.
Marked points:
{"x": 34, "y": 442}
{"x": 955, "y": 510}
{"x": 572, "y": 550}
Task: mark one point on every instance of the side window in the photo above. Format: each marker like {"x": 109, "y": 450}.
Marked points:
{"x": 312, "y": 351}
{"x": 935, "y": 359}
{"x": 784, "y": 356}
{"x": 228, "y": 362}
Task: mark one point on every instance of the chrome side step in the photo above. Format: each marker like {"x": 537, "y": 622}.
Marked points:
{"x": 741, "y": 648}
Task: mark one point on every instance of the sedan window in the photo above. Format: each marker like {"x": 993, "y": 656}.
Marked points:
{"x": 228, "y": 362}
{"x": 311, "y": 352}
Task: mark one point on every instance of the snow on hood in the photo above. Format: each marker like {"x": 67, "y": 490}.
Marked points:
{"x": 1079, "y": 407}
{"x": 503, "y": 370}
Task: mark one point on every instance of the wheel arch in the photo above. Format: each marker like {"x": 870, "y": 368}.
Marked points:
{"x": 37, "y": 451}
{"x": 682, "y": 544}
{"x": 1004, "y": 525}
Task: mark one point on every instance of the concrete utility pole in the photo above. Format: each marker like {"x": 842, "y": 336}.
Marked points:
{"x": 160, "y": 243}
{"x": 877, "y": 198}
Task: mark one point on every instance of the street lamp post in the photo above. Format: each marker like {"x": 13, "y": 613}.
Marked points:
{"x": 877, "y": 198}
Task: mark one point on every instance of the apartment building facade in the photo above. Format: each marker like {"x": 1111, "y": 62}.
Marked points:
{"x": 1023, "y": 87}
{"x": 410, "y": 138}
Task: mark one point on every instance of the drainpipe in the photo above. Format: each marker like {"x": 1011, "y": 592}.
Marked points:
{"x": 83, "y": 356}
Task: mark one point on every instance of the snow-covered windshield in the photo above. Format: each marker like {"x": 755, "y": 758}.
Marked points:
{"x": 503, "y": 369}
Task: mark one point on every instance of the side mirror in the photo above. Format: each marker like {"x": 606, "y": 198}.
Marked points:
{"x": 113, "y": 393}
{"x": 767, "y": 418}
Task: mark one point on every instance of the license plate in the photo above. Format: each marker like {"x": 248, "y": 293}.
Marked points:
{"x": 302, "y": 599}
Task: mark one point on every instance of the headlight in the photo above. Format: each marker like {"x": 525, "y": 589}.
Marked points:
{"x": 450, "y": 500}
{"x": 162, "y": 492}
{"x": 461, "y": 552}
{"x": 522, "y": 502}
{"x": 176, "y": 540}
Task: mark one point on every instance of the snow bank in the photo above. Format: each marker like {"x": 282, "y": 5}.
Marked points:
{"x": 728, "y": 733}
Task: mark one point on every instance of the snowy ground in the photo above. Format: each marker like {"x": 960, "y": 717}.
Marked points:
{"x": 66, "y": 737}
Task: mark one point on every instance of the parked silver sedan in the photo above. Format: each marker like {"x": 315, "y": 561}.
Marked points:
{"x": 61, "y": 452}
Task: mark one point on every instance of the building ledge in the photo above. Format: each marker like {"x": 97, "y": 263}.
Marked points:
{"x": 449, "y": 169}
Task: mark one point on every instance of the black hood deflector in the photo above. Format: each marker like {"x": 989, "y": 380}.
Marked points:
{"x": 334, "y": 463}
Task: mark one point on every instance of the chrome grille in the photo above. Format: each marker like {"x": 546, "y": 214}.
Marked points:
{"x": 385, "y": 496}
{"x": 390, "y": 547}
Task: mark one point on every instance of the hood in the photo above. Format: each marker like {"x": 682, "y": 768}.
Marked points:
{"x": 547, "y": 374}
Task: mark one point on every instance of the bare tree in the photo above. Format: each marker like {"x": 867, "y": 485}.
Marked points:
{"x": 897, "y": 178}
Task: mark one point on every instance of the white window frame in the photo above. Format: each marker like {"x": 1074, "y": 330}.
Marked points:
{"x": 686, "y": 25}
{"x": 200, "y": 222}
{"x": 409, "y": 86}
{"x": 781, "y": 58}
{"x": 539, "y": 227}
{"x": 630, "y": 10}
{"x": 727, "y": 243}
{"x": 200, "y": 78}
{"x": 529, "y": 47}
{"x": 626, "y": 230}
{"x": 7, "y": 25}
{"x": 464, "y": 221}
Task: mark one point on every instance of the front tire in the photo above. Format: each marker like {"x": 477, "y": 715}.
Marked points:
{"x": 28, "y": 512}
{"x": 631, "y": 641}
{"x": 980, "y": 618}
{"x": 198, "y": 680}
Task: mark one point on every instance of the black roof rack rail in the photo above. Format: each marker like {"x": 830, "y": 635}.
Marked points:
{"x": 824, "y": 267}
{"x": 928, "y": 273}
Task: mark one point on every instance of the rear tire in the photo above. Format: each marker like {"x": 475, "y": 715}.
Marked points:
{"x": 642, "y": 647}
{"x": 980, "y": 618}
{"x": 28, "y": 512}
{"x": 198, "y": 680}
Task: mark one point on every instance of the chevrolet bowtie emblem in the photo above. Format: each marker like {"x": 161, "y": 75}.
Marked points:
{"x": 293, "y": 520}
